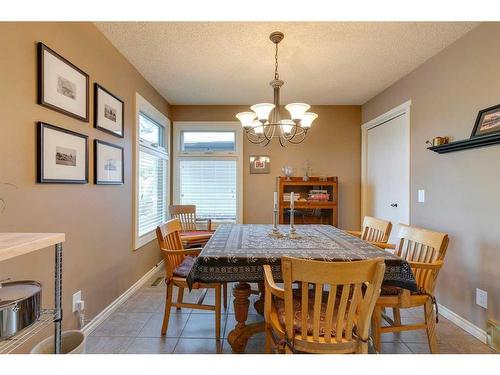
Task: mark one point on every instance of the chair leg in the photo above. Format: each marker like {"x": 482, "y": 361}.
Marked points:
{"x": 376, "y": 324}
{"x": 168, "y": 306}
{"x": 397, "y": 316}
{"x": 224, "y": 294}
{"x": 269, "y": 340}
{"x": 217, "y": 311}
{"x": 430, "y": 321}
{"x": 180, "y": 296}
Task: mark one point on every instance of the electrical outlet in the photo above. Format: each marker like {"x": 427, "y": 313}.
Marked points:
{"x": 481, "y": 298}
{"x": 421, "y": 196}
{"x": 76, "y": 297}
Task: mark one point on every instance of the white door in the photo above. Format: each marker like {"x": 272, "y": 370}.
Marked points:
{"x": 387, "y": 171}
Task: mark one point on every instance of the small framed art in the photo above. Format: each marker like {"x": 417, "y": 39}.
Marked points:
{"x": 487, "y": 121}
{"x": 62, "y": 155}
{"x": 62, "y": 86}
{"x": 108, "y": 163}
{"x": 260, "y": 164}
{"x": 108, "y": 111}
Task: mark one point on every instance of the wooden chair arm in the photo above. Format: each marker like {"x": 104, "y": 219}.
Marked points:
{"x": 355, "y": 233}
{"x": 427, "y": 266}
{"x": 185, "y": 252}
{"x": 384, "y": 245}
{"x": 271, "y": 285}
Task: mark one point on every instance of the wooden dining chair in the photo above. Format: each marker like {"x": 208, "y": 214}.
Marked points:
{"x": 178, "y": 264}
{"x": 374, "y": 230}
{"x": 191, "y": 234}
{"x": 424, "y": 250}
{"x": 336, "y": 317}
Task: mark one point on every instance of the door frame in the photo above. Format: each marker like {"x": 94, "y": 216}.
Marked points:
{"x": 379, "y": 121}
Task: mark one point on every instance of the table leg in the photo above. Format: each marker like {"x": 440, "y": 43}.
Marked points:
{"x": 239, "y": 336}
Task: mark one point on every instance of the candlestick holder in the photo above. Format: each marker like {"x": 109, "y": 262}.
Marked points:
{"x": 293, "y": 231}
{"x": 276, "y": 232}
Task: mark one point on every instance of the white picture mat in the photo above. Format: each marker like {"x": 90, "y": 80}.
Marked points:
{"x": 54, "y": 67}
{"x": 104, "y": 153}
{"x": 52, "y": 171}
{"x": 105, "y": 99}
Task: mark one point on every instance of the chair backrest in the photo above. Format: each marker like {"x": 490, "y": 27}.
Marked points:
{"x": 346, "y": 318}
{"x": 186, "y": 213}
{"x": 376, "y": 230}
{"x": 169, "y": 238}
{"x": 423, "y": 246}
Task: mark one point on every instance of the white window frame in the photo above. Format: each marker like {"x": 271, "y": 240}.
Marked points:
{"x": 147, "y": 109}
{"x": 209, "y": 126}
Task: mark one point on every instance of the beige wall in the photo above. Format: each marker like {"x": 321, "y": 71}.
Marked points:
{"x": 97, "y": 220}
{"x": 462, "y": 188}
{"x": 332, "y": 146}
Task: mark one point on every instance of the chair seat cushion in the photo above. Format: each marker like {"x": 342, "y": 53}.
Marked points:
{"x": 196, "y": 233}
{"x": 279, "y": 305}
{"x": 183, "y": 269}
{"x": 387, "y": 290}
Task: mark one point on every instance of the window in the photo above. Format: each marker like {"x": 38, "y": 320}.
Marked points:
{"x": 211, "y": 185}
{"x": 152, "y": 172}
{"x": 208, "y": 141}
{"x": 207, "y": 167}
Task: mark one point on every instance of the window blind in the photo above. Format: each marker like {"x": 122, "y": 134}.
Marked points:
{"x": 152, "y": 206}
{"x": 210, "y": 184}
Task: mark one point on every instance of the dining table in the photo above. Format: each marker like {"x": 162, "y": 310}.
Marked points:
{"x": 238, "y": 252}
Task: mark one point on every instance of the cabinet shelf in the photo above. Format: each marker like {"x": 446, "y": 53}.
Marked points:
{"x": 309, "y": 212}
{"x": 465, "y": 144}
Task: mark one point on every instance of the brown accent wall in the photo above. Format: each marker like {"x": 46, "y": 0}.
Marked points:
{"x": 462, "y": 188}
{"x": 332, "y": 145}
{"x": 98, "y": 257}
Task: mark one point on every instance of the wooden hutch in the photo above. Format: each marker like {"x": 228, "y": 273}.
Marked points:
{"x": 309, "y": 209}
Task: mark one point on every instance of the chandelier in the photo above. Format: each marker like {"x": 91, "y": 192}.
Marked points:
{"x": 265, "y": 122}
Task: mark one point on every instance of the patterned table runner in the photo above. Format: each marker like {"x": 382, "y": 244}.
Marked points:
{"x": 237, "y": 252}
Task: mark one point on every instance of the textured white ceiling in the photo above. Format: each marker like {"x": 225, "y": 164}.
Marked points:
{"x": 320, "y": 62}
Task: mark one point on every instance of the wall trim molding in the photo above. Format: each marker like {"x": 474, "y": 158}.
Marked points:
{"x": 104, "y": 314}
{"x": 463, "y": 323}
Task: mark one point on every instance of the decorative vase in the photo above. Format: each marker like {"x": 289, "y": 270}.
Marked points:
{"x": 287, "y": 171}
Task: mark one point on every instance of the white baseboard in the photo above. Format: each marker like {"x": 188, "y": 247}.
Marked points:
{"x": 99, "y": 318}
{"x": 467, "y": 326}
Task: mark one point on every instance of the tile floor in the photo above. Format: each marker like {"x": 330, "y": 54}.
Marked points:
{"x": 135, "y": 328}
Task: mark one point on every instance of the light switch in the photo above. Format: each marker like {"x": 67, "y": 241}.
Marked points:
{"x": 421, "y": 196}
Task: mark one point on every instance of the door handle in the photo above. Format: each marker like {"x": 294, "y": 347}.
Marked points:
{"x": 394, "y": 204}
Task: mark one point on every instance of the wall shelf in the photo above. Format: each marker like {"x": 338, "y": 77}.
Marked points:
{"x": 481, "y": 141}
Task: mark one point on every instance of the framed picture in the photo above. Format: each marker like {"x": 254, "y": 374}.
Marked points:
{"x": 260, "y": 164}
{"x": 487, "y": 121}
{"x": 108, "y": 111}
{"x": 62, "y": 155}
{"x": 108, "y": 163}
{"x": 61, "y": 85}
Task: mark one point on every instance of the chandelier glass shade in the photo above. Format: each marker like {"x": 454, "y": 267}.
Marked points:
{"x": 264, "y": 122}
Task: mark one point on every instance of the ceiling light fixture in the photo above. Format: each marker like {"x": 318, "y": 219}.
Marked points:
{"x": 265, "y": 123}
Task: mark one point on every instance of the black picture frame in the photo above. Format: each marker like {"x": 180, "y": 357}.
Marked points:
{"x": 476, "y": 131}
{"x": 42, "y": 48}
{"x": 98, "y": 87}
{"x": 40, "y": 155}
{"x": 96, "y": 163}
